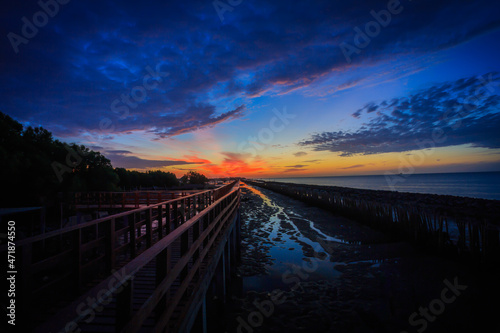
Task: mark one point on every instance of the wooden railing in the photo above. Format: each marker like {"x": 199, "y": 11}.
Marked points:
{"x": 69, "y": 260}
{"x": 197, "y": 240}
{"x": 123, "y": 199}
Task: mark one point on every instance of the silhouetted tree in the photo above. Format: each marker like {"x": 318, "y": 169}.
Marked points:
{"x": 34, "y": 166}
{"x": 135, "y": 179}
{"x": 193, "y": 177}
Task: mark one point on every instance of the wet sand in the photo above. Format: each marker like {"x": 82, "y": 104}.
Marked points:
{"x": 304, "y": 269}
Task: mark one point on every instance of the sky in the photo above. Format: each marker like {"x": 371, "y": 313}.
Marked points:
{"x": 261, "y": 89}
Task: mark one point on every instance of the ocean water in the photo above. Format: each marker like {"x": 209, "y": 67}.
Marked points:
{"x": 484, "y": 185}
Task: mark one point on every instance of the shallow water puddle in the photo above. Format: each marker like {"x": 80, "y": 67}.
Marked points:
{"x": 287, "y": 250}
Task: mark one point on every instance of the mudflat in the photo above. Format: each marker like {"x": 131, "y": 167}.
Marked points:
{"x": 304, "y": 269}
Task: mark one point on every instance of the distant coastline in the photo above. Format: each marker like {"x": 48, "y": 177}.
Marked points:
{"x": 481, "y": 185}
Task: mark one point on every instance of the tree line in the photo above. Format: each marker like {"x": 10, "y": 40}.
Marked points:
{"x": 35, "y": 167}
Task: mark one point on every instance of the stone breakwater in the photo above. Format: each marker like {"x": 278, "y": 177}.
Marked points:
{"x": 466, "y": 227}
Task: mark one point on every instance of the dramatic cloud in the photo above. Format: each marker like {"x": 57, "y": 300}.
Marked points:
{"x": 369, "y": 108}
{"x": 294, "y": 170}
{"x": 354, "y": 166}
{"x": 234, "y": 164}
{"x": 124, "y": 159}
{"x": 466, "y": 111}
{"x": 174, "y": 125}
{"x": 172, "y": 67}
{"x": 300, "y": 154}
{"x": 297, "y": 166}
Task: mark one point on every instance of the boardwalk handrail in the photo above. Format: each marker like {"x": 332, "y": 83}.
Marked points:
{"x": 97, "y": 221}
{"x": 196, "y": 236}
{"x": 50, "y": 234}
{"x": 72, "y": 257}
{"x": 125, "y": 198}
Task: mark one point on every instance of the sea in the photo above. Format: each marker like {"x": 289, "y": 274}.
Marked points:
{"x": 483, "y": 185}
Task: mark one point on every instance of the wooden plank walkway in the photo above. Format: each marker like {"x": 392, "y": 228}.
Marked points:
{"x": 135, "y": 271}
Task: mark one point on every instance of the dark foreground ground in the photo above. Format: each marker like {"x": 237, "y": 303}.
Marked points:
{"x": 306, "y": 270}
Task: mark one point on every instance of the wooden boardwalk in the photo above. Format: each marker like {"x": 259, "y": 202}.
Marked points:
{"x": 143, "y": 270}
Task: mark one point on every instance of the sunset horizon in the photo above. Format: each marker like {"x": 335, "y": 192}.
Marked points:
{"x": 318, "y": 97}
{"x": 248, "y": 166}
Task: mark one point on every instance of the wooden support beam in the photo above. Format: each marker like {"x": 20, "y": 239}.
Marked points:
{"x": 132, "y": 233}
{"x": 160, "y": 221}
{"x": 149, "y": 227}
{"x": 167, "y": 218}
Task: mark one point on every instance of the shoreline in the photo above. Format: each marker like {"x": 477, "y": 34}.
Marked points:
{"x": 481, "y": 185}
{"x": 338, "y": 275}
{"x": 444, "y": 224}
{"x": 446, "y": 202}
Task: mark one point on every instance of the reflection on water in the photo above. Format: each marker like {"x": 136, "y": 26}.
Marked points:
{"x": 294, "y": 255}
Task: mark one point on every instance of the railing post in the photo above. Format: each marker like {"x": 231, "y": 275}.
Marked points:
{"x": 205, "y": 220}
{"x": 188, "y": 206}
{"x": 149, "y": 227}
{"x": 183, "y": 210}
{"x": 167, "y": 219}
{"x": 160, "y": 221}
{"x": 176, "y": 213}
{"x": 132, "y": 232}
{"x": 110, "y": 246}
{"x": 196, "y": 205}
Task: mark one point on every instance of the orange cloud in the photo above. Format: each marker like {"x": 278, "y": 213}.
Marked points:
{"x": 234, "y": 164}
{"x": 195, "y": 159}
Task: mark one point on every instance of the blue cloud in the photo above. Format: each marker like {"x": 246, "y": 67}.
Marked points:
{"x": 466, "y": 111}
{"x": 91, "y": 53}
